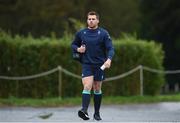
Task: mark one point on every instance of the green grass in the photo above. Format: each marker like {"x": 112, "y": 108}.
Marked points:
{"x": 54, "y": 102}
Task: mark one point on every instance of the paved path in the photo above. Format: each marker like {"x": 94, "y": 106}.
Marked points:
{"x": 157, "y": 112}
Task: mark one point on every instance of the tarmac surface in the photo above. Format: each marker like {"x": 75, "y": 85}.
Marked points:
{"x": 156, "y": 112}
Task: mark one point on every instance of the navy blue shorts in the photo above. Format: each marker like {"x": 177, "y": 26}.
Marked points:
{"x": 93, "y": 70}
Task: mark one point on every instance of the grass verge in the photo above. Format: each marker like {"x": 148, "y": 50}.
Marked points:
{"x": 55, "y": 102}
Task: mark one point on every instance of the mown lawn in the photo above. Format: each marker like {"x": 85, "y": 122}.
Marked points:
{"x": 54, "y": 102}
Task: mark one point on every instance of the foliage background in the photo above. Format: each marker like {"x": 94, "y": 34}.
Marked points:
{"x": 156, "y": 20}
{"x": 20, "y": 56}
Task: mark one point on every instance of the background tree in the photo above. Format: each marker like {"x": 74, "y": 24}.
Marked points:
{"x": 160, "y": 21}
{"x": 120, "y": 16}
{"x": 37, "y": 17}
{"x": 41, "y": 17}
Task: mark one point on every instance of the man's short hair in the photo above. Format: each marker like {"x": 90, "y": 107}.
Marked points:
{"x": 93, "y": 13}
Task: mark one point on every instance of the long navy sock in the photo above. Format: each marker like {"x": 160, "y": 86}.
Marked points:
{"x": 85, "y": 100}
{"x": 97, "y": 101}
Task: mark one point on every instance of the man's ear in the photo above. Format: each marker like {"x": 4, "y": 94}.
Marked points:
{"x": 98, "y": 20}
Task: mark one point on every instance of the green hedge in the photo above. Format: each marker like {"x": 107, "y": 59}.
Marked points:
{"x": 22, "y": 56}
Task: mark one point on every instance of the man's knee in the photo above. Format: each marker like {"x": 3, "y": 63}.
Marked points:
{"x": 97, "y": 86}
{"x": 87, "y": 87}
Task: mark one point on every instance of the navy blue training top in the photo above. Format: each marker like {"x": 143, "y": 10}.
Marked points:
{"x": 98, "y": 45}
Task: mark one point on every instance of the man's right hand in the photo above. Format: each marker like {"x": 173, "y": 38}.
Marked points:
{"x": 81, "y": 49}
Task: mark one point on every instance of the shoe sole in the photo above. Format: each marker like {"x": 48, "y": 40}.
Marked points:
{"x": 97, "y": 119}
{"x": 82, "y": 115}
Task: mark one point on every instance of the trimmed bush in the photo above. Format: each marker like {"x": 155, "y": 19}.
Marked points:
{"x": 23, "y": 56}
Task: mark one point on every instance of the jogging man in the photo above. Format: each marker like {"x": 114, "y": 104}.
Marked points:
{"x": 96, "y": 49}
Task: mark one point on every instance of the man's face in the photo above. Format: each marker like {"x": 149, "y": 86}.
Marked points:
{"x": 92, "y": 21}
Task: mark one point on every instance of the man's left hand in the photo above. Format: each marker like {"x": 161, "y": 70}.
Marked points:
{"x": 107, "y": 64}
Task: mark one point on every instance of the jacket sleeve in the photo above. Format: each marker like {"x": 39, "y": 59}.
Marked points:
{"x": 108, "y": 45}
{"x": 76, "y": 42}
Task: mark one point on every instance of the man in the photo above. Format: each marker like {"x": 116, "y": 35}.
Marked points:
{"x": 96, "y": 49}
